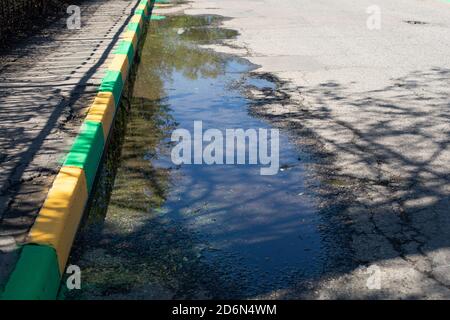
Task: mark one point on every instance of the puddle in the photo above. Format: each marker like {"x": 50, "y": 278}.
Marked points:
{"x": 196, "y": 231}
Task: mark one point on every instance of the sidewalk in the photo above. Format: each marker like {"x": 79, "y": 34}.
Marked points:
{"x": 46, "y": 85}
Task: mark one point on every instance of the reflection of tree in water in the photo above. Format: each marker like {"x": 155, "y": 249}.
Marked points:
{"x": 166, "y": 50}
{"x": 138, "y": 184}
{"x": 173, "y": 39}
{"x": 137, "y": 253}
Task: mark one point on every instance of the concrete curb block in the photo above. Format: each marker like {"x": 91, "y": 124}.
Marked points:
{"x": 43, "y": 258}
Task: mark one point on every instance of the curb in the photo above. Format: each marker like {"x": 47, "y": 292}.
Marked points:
{"x": 43, "y": 258}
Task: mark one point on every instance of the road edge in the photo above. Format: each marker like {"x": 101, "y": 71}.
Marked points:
{"x": 42, "y": 261}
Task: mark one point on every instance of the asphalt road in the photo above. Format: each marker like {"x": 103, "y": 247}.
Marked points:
{"x": 378, "y": 100}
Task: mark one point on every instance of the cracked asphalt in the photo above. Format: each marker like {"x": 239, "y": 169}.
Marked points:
{"x": 375, "y": 105}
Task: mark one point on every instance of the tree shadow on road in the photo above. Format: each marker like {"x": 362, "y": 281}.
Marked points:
{"x": 385, "y": 154}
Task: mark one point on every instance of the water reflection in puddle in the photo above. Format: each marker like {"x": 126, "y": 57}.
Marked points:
{"x": 196, "y": 231}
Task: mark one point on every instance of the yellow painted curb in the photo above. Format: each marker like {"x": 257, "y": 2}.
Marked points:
{"x": 130, "y": 36}
{"x": 143, "y": 7}
{"x": 103, "y": 110}
{"x": 137, "y": 18}
{"x": 58, "y": 220}
{"x": 120, "y": 63}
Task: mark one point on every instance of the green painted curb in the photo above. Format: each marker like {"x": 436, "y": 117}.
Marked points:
{"x": 112, "y": 82}
{"x": 140, "y": 11}
{"x": 36, "y": 275}
{"x": 134, "y": 26}
{"x": 126, "y": 47}
{"x": 148, "y": 4}
{"x": 87, "y": 150}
